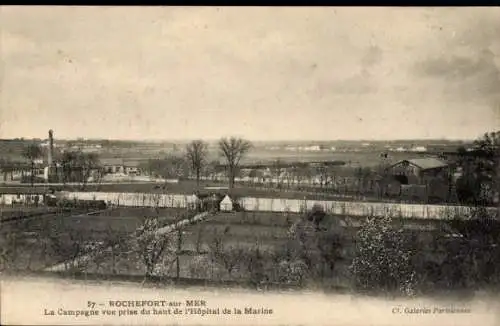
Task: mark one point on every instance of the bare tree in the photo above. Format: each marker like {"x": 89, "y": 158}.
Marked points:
{"x": 117, "y": 242}
{"x": 233, "y": 150}
{"x": 276, "y": 172}
{"x": 226, "y": 255}
{"x": 199, "y": 239}
{"x": 196, "y": 153}
{"x": 7, "y": 167}
{"x": 32, "y": 152}
{"x": 90, "y": 164}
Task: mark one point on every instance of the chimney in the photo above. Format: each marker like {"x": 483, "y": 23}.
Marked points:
{"x": 51, "y": 148}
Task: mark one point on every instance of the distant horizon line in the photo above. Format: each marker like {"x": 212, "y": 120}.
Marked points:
{"x": 183, "y": 140}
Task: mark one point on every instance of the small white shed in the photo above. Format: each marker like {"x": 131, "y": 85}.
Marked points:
{"x": 226, "y": 204}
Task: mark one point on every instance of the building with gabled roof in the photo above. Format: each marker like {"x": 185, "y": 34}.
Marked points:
{"x": 226, "y": 205}
{"x": 427, "y": 163}
{"x": 120, "y": 165}
{"x": 422, "y": 177}
{"x": 418, "y": 170}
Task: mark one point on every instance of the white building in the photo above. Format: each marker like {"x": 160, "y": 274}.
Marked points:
{"x": 226, "y": 204}
{"x": 419, "y": 149}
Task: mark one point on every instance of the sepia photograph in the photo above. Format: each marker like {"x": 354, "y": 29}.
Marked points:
{"x": 173, "y": 165}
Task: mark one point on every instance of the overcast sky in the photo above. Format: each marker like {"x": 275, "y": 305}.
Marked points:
{"x": 260, "y": 73}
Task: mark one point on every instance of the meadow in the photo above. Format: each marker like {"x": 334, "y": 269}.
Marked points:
{"x": 243, "y": 247}
{"x": 246, "y": 247}
{"x": 37, "y": 242}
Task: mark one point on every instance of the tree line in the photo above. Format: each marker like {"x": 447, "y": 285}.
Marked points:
{"x": 77, "y": 166}
{"x": 69, "y": 166}
{"x": 195, "y": 160}
{"x": 478, "y": 184}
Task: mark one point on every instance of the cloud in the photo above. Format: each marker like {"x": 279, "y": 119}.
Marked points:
{"x": 175, "y": 71}
{"x": 469, "y": 66}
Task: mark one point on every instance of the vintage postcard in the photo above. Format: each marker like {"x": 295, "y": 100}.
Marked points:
{"x": 249, "y": 166}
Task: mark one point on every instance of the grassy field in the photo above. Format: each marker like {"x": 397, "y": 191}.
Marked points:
{"x": 265, "y": 230}
{"x": 199, "y": 258}
{"x": 16, "y": 212}
{"x": 240, "y": 229}
{"x": 42, "y": 241}
{"x": 238, "y": 234}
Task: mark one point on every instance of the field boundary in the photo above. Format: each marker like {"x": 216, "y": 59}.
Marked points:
{"x": 354, "y": 208}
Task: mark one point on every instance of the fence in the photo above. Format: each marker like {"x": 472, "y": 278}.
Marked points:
{"x": 280, "y": 205}
{"x": 354, "y": 208}
{"x": 135, "y": 199}
{"x": 27, "y": 199}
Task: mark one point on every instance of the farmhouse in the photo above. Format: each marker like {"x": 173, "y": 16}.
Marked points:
{"x": 119, "y": 165}
{"x": 419, "y": 171}
{"x": 422, "y": 178}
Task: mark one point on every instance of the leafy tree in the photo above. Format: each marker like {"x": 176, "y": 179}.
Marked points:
{"x": 318, "y": 244}
{"x": 375, "y": 266}
{"x": 472, "y": 247}
{"x": 479, "y": 184}
{"x": 317, "y": 214}
{"x": 196, "y": 153}
{"x": 233, "y": 150}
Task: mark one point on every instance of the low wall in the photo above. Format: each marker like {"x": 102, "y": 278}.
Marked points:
{"x": 279, "y": 205}
{"x": 133, "y": 199}
{"x": 8, "y": 199}
{"x": 354, "y": 208}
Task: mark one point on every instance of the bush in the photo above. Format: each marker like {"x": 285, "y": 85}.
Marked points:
{"x": 383, "y": 258}
{"x": 8, "y": 250}
{"x": 472, "y": 248}
{"x": 317, "y": 243}
{"x": 292, "y": 271}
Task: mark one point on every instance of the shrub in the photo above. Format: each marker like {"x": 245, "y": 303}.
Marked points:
{"x": 318, "y": 242}
{"x": 8, "y": 250}
{"x": 472, "y": 248}
{"x": 292, "y": 271}
{"x": 383, "y": 258}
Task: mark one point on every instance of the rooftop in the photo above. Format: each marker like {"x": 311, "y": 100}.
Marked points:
{"x": 427, "y": 163}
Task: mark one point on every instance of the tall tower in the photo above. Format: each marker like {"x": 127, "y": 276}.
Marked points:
{"x": 51, "y": 148}
{"x": 49, "y": 169}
